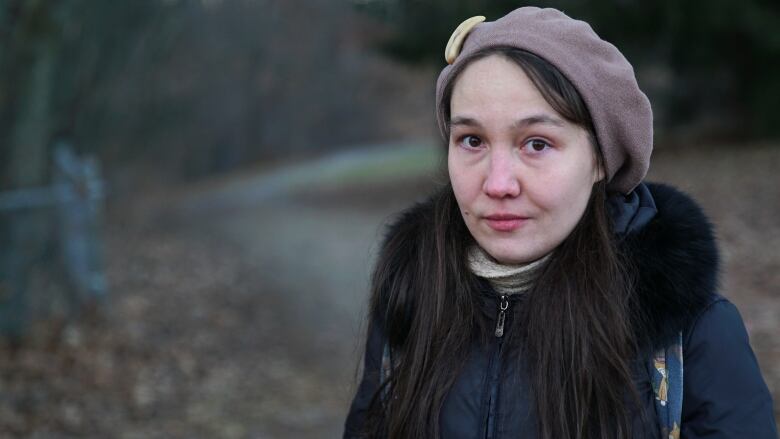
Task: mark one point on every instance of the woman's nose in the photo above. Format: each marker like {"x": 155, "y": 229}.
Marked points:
{"x": 501, "y": 180}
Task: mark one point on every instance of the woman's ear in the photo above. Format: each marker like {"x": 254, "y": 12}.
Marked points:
{"x": 599, "y": 174}
{"x": 598, "y": 160}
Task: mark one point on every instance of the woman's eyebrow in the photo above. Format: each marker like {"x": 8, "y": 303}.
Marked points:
{"x": 538, "y": 119}
{"x": 466, "y": 121}
{"x": 525, "y": 122}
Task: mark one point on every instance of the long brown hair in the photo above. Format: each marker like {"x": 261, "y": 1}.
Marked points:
{"x": 576, "y": 341}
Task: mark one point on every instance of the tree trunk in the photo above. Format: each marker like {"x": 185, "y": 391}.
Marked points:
{"x": 27, "y": 232}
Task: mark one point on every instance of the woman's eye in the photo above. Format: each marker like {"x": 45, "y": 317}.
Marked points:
{"x": 470, "y": 141}
{"x": 536, "y": 145}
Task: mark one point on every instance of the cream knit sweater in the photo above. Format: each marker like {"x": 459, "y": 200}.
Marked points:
{"x": 505, "y": 279}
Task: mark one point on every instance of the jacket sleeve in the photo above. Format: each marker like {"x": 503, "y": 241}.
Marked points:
{"x": 724, "y": 394}
{"x": 368, "y": 384}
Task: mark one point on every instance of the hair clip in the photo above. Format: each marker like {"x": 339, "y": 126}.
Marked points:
{"x": 458, "y": 36}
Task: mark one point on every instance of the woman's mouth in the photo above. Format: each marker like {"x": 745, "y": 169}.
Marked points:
{"x": 505, "y": 222}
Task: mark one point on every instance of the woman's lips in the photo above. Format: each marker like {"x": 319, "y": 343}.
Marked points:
{"x": 505, "y": 222}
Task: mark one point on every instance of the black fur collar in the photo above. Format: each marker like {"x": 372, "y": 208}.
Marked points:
{"x": 677, "y": 262}
{"x": 675, "y": 255}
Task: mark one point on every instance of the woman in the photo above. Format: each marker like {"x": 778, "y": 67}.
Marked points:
{"x": 536, "y": 294}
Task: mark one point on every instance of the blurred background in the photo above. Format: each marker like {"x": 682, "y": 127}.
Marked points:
{"x": 192, "y": 191}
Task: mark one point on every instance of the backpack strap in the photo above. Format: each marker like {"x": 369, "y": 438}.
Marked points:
{"x": 668, "y": 387}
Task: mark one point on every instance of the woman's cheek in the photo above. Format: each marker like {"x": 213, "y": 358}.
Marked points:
{"x": 464, "y": 178}
{"x": 545, "y": 190}
{"x": 459, "y": 187}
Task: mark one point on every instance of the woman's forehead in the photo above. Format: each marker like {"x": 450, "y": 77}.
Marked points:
{"x": 496, "y": 85}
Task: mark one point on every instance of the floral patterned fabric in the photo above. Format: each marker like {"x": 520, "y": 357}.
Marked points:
{"x": 668, "y": 388}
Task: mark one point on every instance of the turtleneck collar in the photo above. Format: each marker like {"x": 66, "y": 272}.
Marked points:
{"x": 505, "y": 278}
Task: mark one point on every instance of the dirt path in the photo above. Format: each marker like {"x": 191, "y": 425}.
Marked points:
{"x": 234, "y": 313}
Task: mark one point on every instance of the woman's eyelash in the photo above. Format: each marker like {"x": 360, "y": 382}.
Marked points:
{"x": 545, "y": 144}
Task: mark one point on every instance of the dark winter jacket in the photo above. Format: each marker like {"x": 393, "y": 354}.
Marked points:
{"x": 672, "y": 244}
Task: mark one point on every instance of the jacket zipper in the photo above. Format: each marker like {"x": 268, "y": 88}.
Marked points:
{"x": 503, "y": 306}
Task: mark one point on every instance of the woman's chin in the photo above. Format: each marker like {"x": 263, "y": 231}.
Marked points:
{"x": 510, "y": 256}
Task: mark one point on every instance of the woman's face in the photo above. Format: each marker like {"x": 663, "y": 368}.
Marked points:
{"x": 521, "y": 173}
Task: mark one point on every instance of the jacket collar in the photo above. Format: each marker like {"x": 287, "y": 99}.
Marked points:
{"x": 633, "y": 211}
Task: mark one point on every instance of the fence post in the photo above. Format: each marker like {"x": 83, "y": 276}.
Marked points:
{"x": 79, "y": 191}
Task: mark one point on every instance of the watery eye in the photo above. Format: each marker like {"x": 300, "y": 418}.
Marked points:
{"x": 537, "y": 145}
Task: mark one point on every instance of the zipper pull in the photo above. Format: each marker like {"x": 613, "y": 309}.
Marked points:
{"x": 502, "y": 307}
